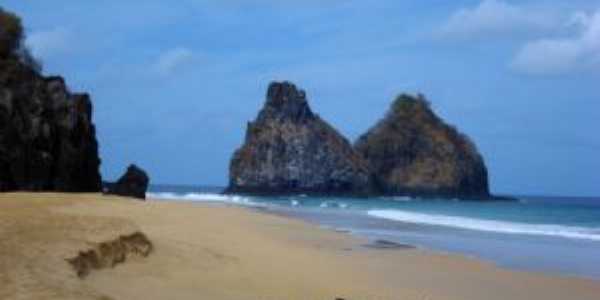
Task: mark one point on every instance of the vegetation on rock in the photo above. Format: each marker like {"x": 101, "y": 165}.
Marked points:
{"x": 11, "y": 41}
{"x": 414, "y": 152}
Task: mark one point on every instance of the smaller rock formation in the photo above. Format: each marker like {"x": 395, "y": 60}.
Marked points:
{"x": 134, "y": 183}
{"x": 414, "y": 152}
{"x": 289, "y": 149}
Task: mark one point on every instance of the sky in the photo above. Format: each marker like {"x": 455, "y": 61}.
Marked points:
{"x": 174, "y": 83}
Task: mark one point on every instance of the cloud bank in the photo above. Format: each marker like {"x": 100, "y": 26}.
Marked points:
{"x": 547, "y": 40}
{"x": 555, "y": 56}
{"x": 492, "y": 17}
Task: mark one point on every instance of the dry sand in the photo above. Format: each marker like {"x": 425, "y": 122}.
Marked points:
{"x": 218, "y": 252}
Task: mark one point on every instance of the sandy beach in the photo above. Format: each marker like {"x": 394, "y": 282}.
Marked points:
{"x": 219, "y": 252}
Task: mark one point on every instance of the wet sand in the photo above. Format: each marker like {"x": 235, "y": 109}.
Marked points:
{"x": 203, "y": 251}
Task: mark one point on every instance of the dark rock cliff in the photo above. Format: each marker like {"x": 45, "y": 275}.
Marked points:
{"x": 289, "y": 149}
{"x": 414, "y": 152}
{"x": 47, "y": 138}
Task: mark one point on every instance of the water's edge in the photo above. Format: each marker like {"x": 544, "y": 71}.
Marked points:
{"x": 565, "y": 250}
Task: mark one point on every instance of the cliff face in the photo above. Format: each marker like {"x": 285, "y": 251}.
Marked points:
{"x": 289, "y": 149}
{"x": 47, "y": 138}
{"x": 414, "y": 152}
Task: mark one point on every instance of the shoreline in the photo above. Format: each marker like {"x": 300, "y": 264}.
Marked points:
{"x": 230, "y": 252}
{"x": 401, "y": 244}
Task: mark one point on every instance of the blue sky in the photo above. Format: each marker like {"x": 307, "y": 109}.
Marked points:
{"x": 174, "y": 82}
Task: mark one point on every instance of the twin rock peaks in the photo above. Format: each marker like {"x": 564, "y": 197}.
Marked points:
{"x": 289, "y": 149}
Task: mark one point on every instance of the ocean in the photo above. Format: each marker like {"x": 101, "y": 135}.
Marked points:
{"x": 557, "y": 235}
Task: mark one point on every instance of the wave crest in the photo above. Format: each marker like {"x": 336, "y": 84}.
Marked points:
{"x": 333, "y": 204}
{"x": 571, "y": 232}
{"x": 202, "y": 197}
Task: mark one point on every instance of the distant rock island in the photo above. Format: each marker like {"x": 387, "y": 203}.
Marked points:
{"x": 289, "y": 149}
{"x": 414, "y": 152}
{"x": 47, "y": 138}
{"x": 411, "y": 152}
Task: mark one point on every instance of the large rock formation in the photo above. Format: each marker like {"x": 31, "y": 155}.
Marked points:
{"x": 47, "y": 138}
{"x": 134, "y": 183}
{"x": 414, "y": 152}
{"x": 289, "y": 149}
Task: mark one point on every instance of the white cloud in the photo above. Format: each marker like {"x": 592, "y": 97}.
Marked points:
{"x": 494, "y": 17}
{"x": 548, "y": 56}
{"x": 564, "y": 42}
{"x": 48, "y": 43}
{"x": 173, "y": 59}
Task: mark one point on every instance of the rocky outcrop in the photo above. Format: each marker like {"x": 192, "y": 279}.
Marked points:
{"x": 47, "y": 138}
{"x": 414, "y": 152}
{"x": 134, "y": 183}
{"x": 289, "y": 149}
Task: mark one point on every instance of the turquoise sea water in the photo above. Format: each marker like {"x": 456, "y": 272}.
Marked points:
{"x": 552, "y": 234}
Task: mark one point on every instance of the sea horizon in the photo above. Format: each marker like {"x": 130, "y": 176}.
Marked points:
{"x": 222, "y": 187}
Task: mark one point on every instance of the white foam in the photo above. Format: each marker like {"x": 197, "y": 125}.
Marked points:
{"x": 398, "y": 198}
{"x": 203, "y": 197}
{"x": 571, "y": 232}
{"x": 333, "y": 204}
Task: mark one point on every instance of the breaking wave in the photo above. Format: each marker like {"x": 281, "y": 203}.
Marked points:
{"x": 333, "y": 204}
{"x": 203, "y": 197}
{"x": 571, "y": 232}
